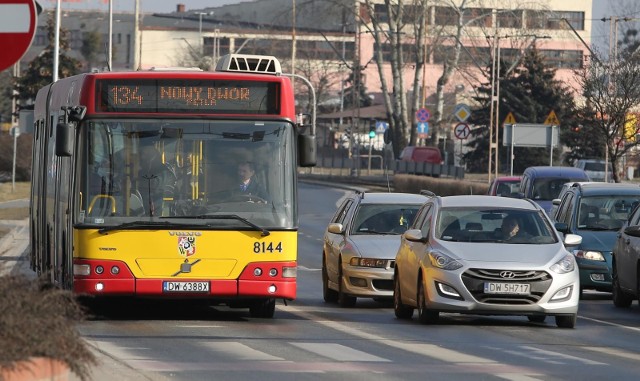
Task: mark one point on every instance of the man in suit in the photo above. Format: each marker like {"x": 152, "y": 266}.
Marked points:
{"x": 249, "y": 184}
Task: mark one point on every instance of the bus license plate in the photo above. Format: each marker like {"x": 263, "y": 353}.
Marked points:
{"x": 507, "y": 288}
{"x": 185, "y": 286}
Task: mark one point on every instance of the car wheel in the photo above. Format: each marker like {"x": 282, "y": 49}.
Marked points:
{"x": 401, "y": 310}
{"x": 344, "y": 300}
{"x": 264, "y": 309}
{"x": 620, "y": 298}
{"x": 566, "y": 321}
{"x": 329, "y": 295}
{"x": 537, "y": 318}
{"x": 425, "y": 315}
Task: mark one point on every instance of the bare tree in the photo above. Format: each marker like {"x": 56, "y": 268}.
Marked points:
{"x": 611, "y": 95}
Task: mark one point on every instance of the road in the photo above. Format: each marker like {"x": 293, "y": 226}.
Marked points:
{"x": 312, "y": 340}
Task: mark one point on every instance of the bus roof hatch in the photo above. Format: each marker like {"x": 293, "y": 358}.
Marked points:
{"x": 246, "y": 63}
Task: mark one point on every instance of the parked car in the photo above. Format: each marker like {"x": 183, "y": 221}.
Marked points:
{"x": 596, "y": 211}
{"x": 421, "y": 154}
{"x": 360, "y": 244}
{"x": 626, "y": 257}
{"x": 456, "y": 258}
{"x": 597, "y": 170}
{"x": 505, "y": 186}
{"x": 543, "y": 184}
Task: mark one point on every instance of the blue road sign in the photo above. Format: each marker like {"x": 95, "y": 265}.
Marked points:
{"x": 423, "y": 128}
{"x": 381, "y": 127}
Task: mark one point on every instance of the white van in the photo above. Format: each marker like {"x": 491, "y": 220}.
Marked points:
{"x": 596, "y": 169}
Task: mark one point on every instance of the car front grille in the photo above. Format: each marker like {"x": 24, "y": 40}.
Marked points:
{"x": 382, "y": 284}
{"x": 474, "y": 280}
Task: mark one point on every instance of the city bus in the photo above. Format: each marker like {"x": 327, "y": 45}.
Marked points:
{"x": 135, "y": 190}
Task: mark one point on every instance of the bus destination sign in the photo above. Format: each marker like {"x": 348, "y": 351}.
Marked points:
{"x": 186, "y": 96}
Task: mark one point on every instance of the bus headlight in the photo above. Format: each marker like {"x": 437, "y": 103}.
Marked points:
{"x": 289, "y": 272}
{"x": 84, "y": 270}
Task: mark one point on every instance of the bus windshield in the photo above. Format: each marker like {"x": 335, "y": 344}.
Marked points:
{"x": 193, "y": 172}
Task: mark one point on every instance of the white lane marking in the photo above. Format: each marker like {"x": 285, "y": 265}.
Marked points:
{"x": 615, "y": 352}
{"x": 338, "y": 352}
{"x": 14, "y": 18}
{"x": 520, "y": 377}
{"x": 118, "y": 351}
{"x": 635, "y": 329}
{"x": 304, "y": 268}
{"x": 422, "y": 349}
{"x": 555, "y": 357}
{"x": 239, "y": 351}
{"x": 444, "y": 354}
{"x": 199, "y": 326}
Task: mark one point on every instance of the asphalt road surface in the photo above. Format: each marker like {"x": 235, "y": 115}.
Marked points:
{"x": 311, "y": 340}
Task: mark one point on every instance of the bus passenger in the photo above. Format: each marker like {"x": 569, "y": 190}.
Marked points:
{"x": 156, "y": 180}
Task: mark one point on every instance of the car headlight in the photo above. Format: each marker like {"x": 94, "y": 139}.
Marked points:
{"x": 442, "y": 261}
{"x": 368, "y": 262}
{"x": 566, "y": 265}
{"x": 589, "y": 254}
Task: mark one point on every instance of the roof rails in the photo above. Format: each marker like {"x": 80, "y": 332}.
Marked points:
{"x": 247, "y": 63}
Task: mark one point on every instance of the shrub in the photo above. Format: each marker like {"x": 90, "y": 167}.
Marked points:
{"x": 23, "y": 156}
{"x": 38, "y": 320}
{"x": 439, "y": 186}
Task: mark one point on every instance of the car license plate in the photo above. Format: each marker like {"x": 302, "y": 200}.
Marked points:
{"x": 185, "y": 286}
{"x": 507, "y": 288}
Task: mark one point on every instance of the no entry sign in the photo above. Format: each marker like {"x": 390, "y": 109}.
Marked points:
{"x": 17, "y": 27}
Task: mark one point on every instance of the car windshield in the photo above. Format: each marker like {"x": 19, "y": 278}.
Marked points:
{"x": 605, "y": 212}
{"x": 508, "y": 188}
{"x": 383, "y": 218}
{"x": 546, "y": 189}
{"x": 195, "y": 172}
{"x": 514, "y": 226}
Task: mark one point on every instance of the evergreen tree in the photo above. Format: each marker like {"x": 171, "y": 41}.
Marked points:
{"x": 40, "y": 70}
{"x": 530, "y": 92}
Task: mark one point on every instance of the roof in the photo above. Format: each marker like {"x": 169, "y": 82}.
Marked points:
{"x": 487, "y": 201}
{"x": 602, "y": 188}
{"x": 548, "y": 171}
{"x": 507, "y": 179}
{"x": 378, "y": 112}
{"x": 393, "y": 198}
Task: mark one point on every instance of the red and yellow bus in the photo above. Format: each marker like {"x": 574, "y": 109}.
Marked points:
{"x": 135, "y": 188}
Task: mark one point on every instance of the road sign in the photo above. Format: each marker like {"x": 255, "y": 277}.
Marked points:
{"x": 510, "y": 119}
{"x": 381, "y": 127}
{"x": 462, "y": 112}
{"x": 423, "y": 115}
{"x": 423, "y": 130}
{"x": 462, "y": 131}
{"x": 552, "y": 119}
{"x": 18, "y": 23}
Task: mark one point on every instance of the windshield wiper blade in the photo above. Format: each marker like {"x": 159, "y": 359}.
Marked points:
{"x": 262, "y": 230}
{"x": 135, "y": 224}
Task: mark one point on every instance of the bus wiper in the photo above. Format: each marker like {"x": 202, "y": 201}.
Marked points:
{"x": 263, "y": 231}
{"x": 134, "y": 224}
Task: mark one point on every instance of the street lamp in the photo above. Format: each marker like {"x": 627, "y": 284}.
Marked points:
{"x": 200, "y": 14}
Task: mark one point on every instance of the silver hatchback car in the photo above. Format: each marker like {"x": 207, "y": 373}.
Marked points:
{"x": 360, "y": 244}
{"x": 486, "y": 255}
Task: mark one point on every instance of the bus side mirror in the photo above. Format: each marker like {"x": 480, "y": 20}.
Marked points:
{"x": 64, "y": 143}
{"x": 306, "y": 150}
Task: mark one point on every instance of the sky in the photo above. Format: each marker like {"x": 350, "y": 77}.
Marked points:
{"x": 147, "y": 6}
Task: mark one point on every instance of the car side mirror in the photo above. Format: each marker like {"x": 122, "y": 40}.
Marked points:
{"x": 562, "y": 227}
{"x": 555, "y": 201}
{"x": 633, "y": 231}
{"x": 414, "y": 235}
{"x": 571, "y": 240}
{"x": 335, "y": 228}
